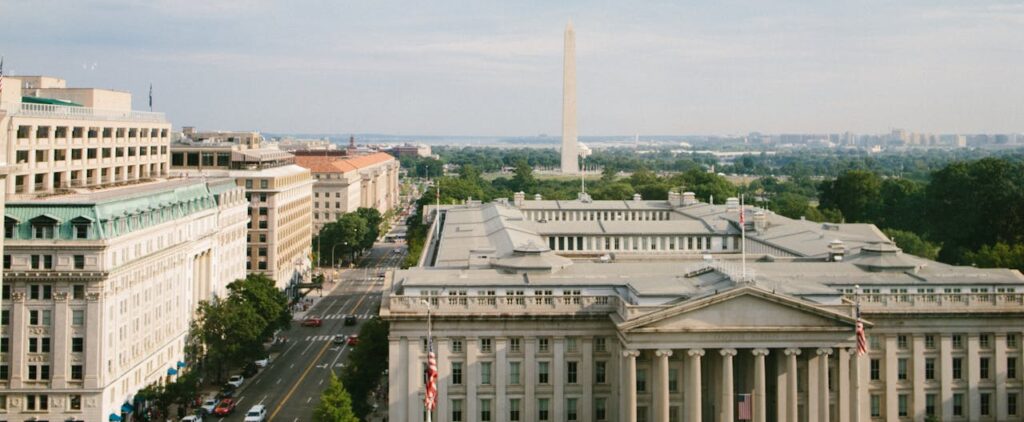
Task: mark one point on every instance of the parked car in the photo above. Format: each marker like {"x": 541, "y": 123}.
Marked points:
{"x": 312, "y": 321}
{"x": 226, "y": 407}
{"x": 208, "y": 405}
{"x": 350, "y": 320}
{"x": 236, "y": 380}
{"x": 353, "y": 340}
{"x": 226, "y": 391}
{"x": 257, "y": 413}
{"x": 192, "y": 419}
{"x": 338, "y": 339}
{"x": 262, "y": 363}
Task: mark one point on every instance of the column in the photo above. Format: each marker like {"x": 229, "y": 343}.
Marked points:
{"x": 973, "y": 378}
{"x": 726, "y": 404}
{"x": 760, "y": 407}
{"x": 661, "y": 384}
{"x": 93, "y": 363}
{"x": 397, "y": 362}
{"x": 586, "y": 374}
{"x": 59, "y": 341}
{"x": 500, "y": 370}
{"x": 823, "y": 394}
{"x": 629, "y": 381}
{"x": 792, "y": 393}
{"x": 946, "y": 375}
{"x": 444, "y": 373}
{"x": 414, "y": 377}
{"x": 1000, "y": 376}
{"x": 529, "y": 369}
{"x": 693, "y": 399}
{"x": 917, "y": 374}
{"x": 843, "y": 385}
{"x": 858, "y": 388}
{"x": 558, "y": 377}
{"x": 891, "y": 412}
{"x": 19, "y": 340}
{"x": 471, "y": 375}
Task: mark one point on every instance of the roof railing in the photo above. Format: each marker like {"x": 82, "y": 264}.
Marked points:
{"x": 82, "y": 113}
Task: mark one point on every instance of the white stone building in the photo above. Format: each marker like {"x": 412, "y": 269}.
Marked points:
{"x": 100, "y": 287}
{"x": 347, "y": 183}
{"x": 646, "y": 311}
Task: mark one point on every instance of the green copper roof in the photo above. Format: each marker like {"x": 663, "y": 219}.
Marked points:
{"x": 111, "y": 213}
{"x": 50, "y": 101}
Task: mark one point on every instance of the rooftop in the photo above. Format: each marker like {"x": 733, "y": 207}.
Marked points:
{"x": 345, "y": 164}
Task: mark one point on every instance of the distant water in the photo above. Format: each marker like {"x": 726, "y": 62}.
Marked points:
{"x": 540, "y": 141}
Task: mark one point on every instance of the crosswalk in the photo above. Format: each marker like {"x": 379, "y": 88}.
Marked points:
{"x": 340, "y": 316}
{"x": 319, "y": 338}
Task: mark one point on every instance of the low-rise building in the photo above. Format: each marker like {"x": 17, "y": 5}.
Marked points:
{"x": 347, "y": 183}
{"x": 679, "y": 310}
{"x": 100, "y": 288}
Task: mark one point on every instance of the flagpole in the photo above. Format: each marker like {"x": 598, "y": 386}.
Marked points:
{"x": 430, "y": 341}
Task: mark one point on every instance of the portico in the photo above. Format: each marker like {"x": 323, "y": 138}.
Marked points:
{"x": 701, "y": 355}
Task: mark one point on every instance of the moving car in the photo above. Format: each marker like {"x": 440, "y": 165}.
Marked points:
{"x": 350, "y": 320}
{"x": 312, "y": 321}
{"x": 257, "y": 413}
{"x": 208, "y": 405}
{"x": 226, "y": 407}
{"x": 353, "y": 340}
{"x": 236, "y": 380}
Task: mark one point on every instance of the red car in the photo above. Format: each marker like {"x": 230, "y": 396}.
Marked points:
{"x": 353, "y": 340}
{"x": 224, "y": 408}
{"x": 312, "y": 321}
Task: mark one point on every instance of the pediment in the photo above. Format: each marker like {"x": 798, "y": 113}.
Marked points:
{"x": 742, "y": 309}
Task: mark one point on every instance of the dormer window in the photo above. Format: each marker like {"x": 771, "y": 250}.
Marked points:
{"x": 80, "y": 227}
{"x": 10, "y": 226}
{"x": 44, "y": 227}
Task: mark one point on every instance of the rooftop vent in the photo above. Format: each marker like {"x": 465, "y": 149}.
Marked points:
{"x": 689, "y": 198}
{"x": 636, "y": 197}
{"x": 537, "y": 197}
{"x": 836, "y": 251}
{"x": 674, "y": 199}
{"x": 518, "y": 199}
{"x": 760, "y": 222}
{"x": 732, "y": 204}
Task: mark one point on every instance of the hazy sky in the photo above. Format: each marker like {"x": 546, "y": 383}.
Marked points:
{"x": 495, "y": 68}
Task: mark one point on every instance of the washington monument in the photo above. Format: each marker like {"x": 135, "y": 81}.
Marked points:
{"x": 570, "y": 150}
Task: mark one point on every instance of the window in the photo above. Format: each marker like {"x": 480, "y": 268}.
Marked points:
{"x": 456, "y": 373}
{"x": 456, "y": 410}
{"x": 542, "y": 409}
{"x": 570, "y": 409}
{"x": 984, "y": 341}
{"x": 876, "y": 406}
{"x": 542, "y": 344}
{"x": 79, "y": 262}
{"x": 901, "y": 369}
{"x": 1012, "y": 341}
{"x": 874, "y": 342}
{"x": 901, "y": 342}
{"x": 1011, "y": 367}
{"x": 40, "y": 291}
{"x": 641, "y": 380}
{"x": 7, "y": 262}
{"x": 600, "y": 368}
{"x": 5, "y": 372}
{"x": 78, "y": 291}
{"x": 958, "y": 341}
{"x": 77, "y": 317}
{"x": 40, "y": 402}
{"x": 929, "y": 405}
{"x": 77, "y": 344}
{"x": 983, "y": 368}
{"x": 600, "y": 409}
{"x": 5, "y": 317}
{"x": 485, "y": 345}
{"x": 9, "y": 227}
{"x": 76, "y": 372}
{"x": 901, "y": 401}
{"x": 514, "y": 344}
{"x": 929, "y": 369}
{"x": 264, "y": 184}
{"x": 5, "y": 345}
{"x": 986, "y": 401}
{"x": 958, "y": 404}
{"x": 514, "y": 407}
{"x": 513, "y": 373}
{"x": 929, "y": 341}
{"x": 485, "y": 410}
{"x": 876, "y": 369}
{"x": 958, "y": 366}
{"x": 542, "y": 372}
{"x": 485, "y": 373}
{"x": 673, "y": 380}
{"x": 75, "y": 402}
{"x": 456, "y": 346}
{"x": 600, "y": 345}
{"x": 571, "y": 372}
{"x": 1011, "y": 404}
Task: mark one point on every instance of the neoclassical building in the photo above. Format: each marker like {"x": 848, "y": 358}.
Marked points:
{"x": 647, "y": 311}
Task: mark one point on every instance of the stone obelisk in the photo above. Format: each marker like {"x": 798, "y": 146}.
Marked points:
{"x": 570, "y": 150}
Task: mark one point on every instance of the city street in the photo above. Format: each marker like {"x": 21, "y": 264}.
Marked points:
{"x": 290, "y": 385}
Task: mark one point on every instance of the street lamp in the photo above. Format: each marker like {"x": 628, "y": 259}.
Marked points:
{"x": 333, "y": 250}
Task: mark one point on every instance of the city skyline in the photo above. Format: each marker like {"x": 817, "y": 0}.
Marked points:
{"x": 463, "y": 68}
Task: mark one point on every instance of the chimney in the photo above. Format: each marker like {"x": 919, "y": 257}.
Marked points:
{"x": 188, "y": 131}
{"x": 760, "y": 222}
{"x": 674, "y": 199}
{"x": 636, "y": 197}
{"x": 518, "y": 198}
{"x": 836, "y": 251}
{"x": 537, "y": 197}
{"x": 689, "y": 198}
{"x": 732, "y": 204}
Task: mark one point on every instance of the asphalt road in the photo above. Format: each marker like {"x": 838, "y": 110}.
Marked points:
{"x": 290, "y": 385}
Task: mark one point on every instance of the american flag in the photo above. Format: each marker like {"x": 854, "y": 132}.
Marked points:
{"x": 745, "y": 408}
{"x": 862, "y": 339}
{"x": 430, "y": 398}
{"x": 1, "y": 74}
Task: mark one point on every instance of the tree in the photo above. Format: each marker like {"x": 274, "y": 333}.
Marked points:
{"x": 231, "y": 332}
{"x": 912, "y": 244}
{"x": 366, "y": 367}
{"x": 347, "y": 235}
{"x": 523, "y": 181}
{"x": 373, "y": 222}
{"x": 856, "y": 194}
{"x": 335, "y": 403}
{"x": 257, "y": 291}
{"x": 1000, "y": 255}
{"x": 901, "y": 205}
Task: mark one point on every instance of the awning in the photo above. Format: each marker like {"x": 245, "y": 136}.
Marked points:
{"x": 127, "y": 408}
{"x": 114, "y": 417}
{"x": 181, "y": 364}
{"x": 172, "y": 371}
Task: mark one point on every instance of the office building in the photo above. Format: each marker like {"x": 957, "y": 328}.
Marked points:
{"x": 644, "y": 310}
{"x": 347, "y": 183}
